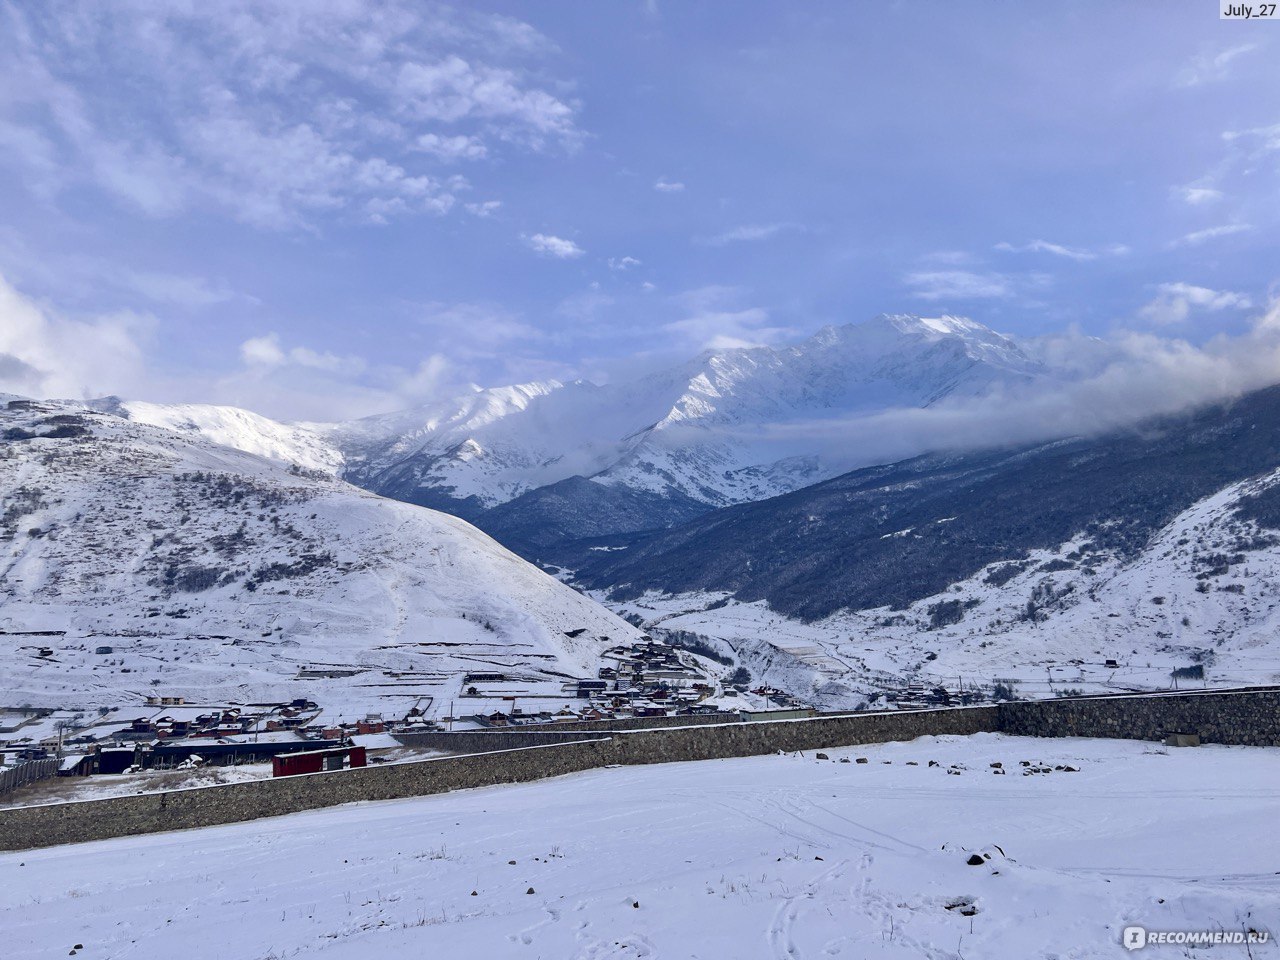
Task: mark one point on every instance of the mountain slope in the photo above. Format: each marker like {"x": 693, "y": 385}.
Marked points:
{"x": 217, "y": 574}
{"x": 235, "y": 428}
{"x": 1135, "y": 561}
{"x": 890, "y": 536}
{"x": 536, "y": 523}
{"x": 709, "y": 444}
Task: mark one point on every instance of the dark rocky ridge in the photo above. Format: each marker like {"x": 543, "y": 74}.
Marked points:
{"x": 895, "y": 534}
{"x": 578, "y": 509}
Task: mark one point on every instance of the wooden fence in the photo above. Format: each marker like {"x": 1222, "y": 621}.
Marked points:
{"x": 11, "y": 778}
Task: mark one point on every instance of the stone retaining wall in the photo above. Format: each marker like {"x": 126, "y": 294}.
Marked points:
{"x": 625, "y": 723}
{"x": 1249, "y": 718}
{"x": 47, "y": 825}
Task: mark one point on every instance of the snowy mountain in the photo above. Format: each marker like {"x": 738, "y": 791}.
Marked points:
{"x": 219, "y": 575}
{"x": 471, "y": 452}
{"x": 699, "y": 435}
{"x": 235, "y": 428}
{"x": 1157, "y": 548}
{"x": 709, "y": 445}
{"x": 577, "y": 459}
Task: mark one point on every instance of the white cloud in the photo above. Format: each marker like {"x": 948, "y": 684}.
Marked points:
{"x": 262, "y": 351}
{"x": 1198, "y": 195}
{"x": 1264, "y": 139}
{"x": 427, "y": 381}
{"x": 452, "y": 89}
{"x": 1105, "y": 385}
{"x": 46, "y": 354}
{"x": 451, "y": 149}
{"x": 749, "y": 232}
{"x": 1078, "y": 254}
{"x": 959, "y": 285}
{"x": 727, "y": 329}
{"x": 716, "y": 320}
{"x": 662, "y": 185}
{"x": 271, "y": 113}
{"x": 485, "y": 208}
{"x": 1212, "y": 67}
{"x": 182, "y": 290}
{"x": 266, "y": 351}
{"x": 43, "y": 354}
{"x": 1197, "y": 237}
{"x": 468, "y": 330}
{"x": 548, "y": 245}
{"x": 300, "y": 383}
{"x": 78, "y": 277}
{"x": 1175, "y": 302}
{"x": 623, "y": 263}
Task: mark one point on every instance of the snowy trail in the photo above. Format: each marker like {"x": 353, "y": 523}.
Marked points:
{"x": 765, "y": 857}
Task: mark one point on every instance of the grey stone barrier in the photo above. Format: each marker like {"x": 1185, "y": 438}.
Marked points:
{"x": 1241, "y": 717}
{"x": 618, "y": 723}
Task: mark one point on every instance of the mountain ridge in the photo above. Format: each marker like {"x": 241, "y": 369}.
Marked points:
{"x": 700, "y": 432}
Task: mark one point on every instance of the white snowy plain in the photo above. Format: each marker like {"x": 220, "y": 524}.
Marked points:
{"x": 782, "y": 856}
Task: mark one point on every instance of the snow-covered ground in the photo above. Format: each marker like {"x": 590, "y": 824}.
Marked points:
{"x": 101, "y": 786}
{"x": 238, "y": 429}
{"x": 784, "y": 856}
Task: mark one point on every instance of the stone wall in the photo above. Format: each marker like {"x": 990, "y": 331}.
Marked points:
{"x": 1242, "y": 717}
{"x": 1251, "y": 718}
{"x": 630, "y": 723}
{"x": 484, "y": 741}
{"x": 501, "y": 738}
{"x": 751, "y": 739}
{"x": 43, "y": 826}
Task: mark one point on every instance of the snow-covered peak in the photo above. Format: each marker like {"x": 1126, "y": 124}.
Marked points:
{"x": 467, "y": 411}
{"x": 691, "y": 429}
{"x": 944, "y": 326}
{"x": 235, "y": 428}
{"x": 684, "y": 429}
{"x": 904, "y": 332}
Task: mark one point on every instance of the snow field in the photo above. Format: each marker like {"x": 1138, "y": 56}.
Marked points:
{"x": 784, "y": 856}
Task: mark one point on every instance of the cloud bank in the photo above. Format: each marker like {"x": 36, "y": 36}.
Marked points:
{"x": 276, "y": 114}
{"x": 1097, "y": 386}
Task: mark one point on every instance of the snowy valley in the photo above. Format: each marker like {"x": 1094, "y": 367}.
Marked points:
{"x": 1082, "y": 564}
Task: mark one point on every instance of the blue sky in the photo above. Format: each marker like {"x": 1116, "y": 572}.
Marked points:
{"x": 330, "y": 209}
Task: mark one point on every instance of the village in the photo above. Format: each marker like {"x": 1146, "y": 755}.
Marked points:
{"x": 647, "y": 679}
